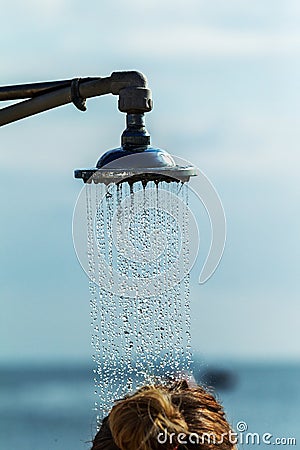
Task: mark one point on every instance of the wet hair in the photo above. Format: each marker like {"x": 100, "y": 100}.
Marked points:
{"x": 166, "y": 418}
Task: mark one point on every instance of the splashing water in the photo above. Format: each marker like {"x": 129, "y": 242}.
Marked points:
{"x": 138, "y": 251}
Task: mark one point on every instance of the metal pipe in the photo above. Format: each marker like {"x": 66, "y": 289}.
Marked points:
{"x": 21, "y": 91}
{"x": 120, "y": 80}
{"x": 53, "y": 99}
{"x": 134, "y": 96}
{"x": 147, "y": 163}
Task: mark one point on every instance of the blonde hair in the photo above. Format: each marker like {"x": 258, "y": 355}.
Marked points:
{"x": 135, "y": 422}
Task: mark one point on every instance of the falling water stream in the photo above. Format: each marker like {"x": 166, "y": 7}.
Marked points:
{"x": 138, "y": 252}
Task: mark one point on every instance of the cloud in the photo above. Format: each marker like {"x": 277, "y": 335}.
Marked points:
{"x": 54, "y": 38}
{"x": 256, "y": 146}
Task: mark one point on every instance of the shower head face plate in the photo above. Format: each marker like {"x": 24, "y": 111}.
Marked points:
{"x": 177, "y": 174}
{"x": 141, "y": 164}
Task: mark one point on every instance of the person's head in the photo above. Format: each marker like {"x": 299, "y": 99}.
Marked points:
{"x": 166, "y": 418}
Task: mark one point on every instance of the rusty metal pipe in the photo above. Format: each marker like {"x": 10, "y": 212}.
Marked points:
{"x": 134, "y": 97}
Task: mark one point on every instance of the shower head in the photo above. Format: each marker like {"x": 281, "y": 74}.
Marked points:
{"x": 136, "y": 160}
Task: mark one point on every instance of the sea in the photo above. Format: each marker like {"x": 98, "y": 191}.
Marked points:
{"x": 50, "y": 407}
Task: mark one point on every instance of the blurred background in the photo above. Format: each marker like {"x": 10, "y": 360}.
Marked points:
{"x": 225, "y": 81}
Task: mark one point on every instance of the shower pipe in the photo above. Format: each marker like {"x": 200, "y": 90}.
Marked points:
{"x": 130, "y": 86}
{"x": 135, "y": 99}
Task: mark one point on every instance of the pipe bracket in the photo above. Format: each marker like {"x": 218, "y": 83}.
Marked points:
{"x": 76, "y": 98}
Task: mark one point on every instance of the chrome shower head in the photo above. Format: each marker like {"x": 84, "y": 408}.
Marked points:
{"x": 136, "y": 160}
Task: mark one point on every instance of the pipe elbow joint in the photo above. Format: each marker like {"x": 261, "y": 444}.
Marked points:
{"x": 134, "y": 96}
{"x": 121, "y": 80}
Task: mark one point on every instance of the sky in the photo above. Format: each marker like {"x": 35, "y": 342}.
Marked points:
{"x": 225, "y": 82}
